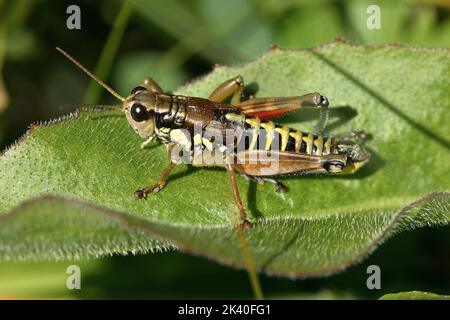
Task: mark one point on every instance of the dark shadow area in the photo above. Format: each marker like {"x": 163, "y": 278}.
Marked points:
{"x": 441, "y": 140}
{"x": 250, "y": 90}
{"x": 180, "y": 175}
{"x": 340, "y": 116}
{"x": 252, "y": 202}
{"x": 283, "y": 249}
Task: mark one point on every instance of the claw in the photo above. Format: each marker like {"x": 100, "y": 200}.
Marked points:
{"x": 143, "y": 192}
{"x": 246, "y": 224}
{"x": 279, "y": 187}
{"x": 140, "y": 193}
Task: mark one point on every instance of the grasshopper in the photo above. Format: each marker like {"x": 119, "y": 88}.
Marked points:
{"x": 193, "y": 130}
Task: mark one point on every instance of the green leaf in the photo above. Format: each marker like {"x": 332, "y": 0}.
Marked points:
{"x": 109, "y": 51}
{"x": 91, "y": 164}
{"x": 302, "y": 25}
{"x": 54, "y": 228}
{"x": 325, "y": 26}
{"x": 132, "y": 68}
{"x": 414, "y": 295}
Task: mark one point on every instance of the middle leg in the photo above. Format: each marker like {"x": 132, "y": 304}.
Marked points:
{"x": 143, "y": 192}
{"x": 232, "y": 87}
{"x": 279, "y": 186}
{"x": 151, "y": 85}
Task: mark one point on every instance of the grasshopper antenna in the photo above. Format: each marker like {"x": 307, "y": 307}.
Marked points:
{"x": 90, "y": 74}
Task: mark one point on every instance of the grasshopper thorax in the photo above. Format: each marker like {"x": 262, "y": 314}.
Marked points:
{"x": 139, "y": 109}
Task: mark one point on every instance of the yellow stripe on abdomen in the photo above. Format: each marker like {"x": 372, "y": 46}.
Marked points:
{"x": 269, "y": 127}
{"x": 284, "y": 133}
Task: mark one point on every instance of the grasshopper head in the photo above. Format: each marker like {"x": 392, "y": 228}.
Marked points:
{"x": 139, "y": 108}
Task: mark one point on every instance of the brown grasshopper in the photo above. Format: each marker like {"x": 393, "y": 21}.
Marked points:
{"x": 193, "y": 130}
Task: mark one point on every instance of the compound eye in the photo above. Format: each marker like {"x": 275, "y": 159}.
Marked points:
{"x": 334, "y": 166}
{"x": 139, "y": 113}
{"x": 137, "y": 89}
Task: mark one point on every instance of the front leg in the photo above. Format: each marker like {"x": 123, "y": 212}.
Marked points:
{"x": 244, "y": 223}
{"x": 143, "y": 192}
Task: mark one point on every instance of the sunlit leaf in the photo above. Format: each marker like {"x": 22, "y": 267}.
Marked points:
{"x": 414, "y": 295}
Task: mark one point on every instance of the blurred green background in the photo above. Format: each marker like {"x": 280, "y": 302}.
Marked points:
{"x": 175, "y": 41}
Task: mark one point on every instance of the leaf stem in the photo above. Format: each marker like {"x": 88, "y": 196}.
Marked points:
{"x": 248, "y": 259}
{"x": 109, "y": 51}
